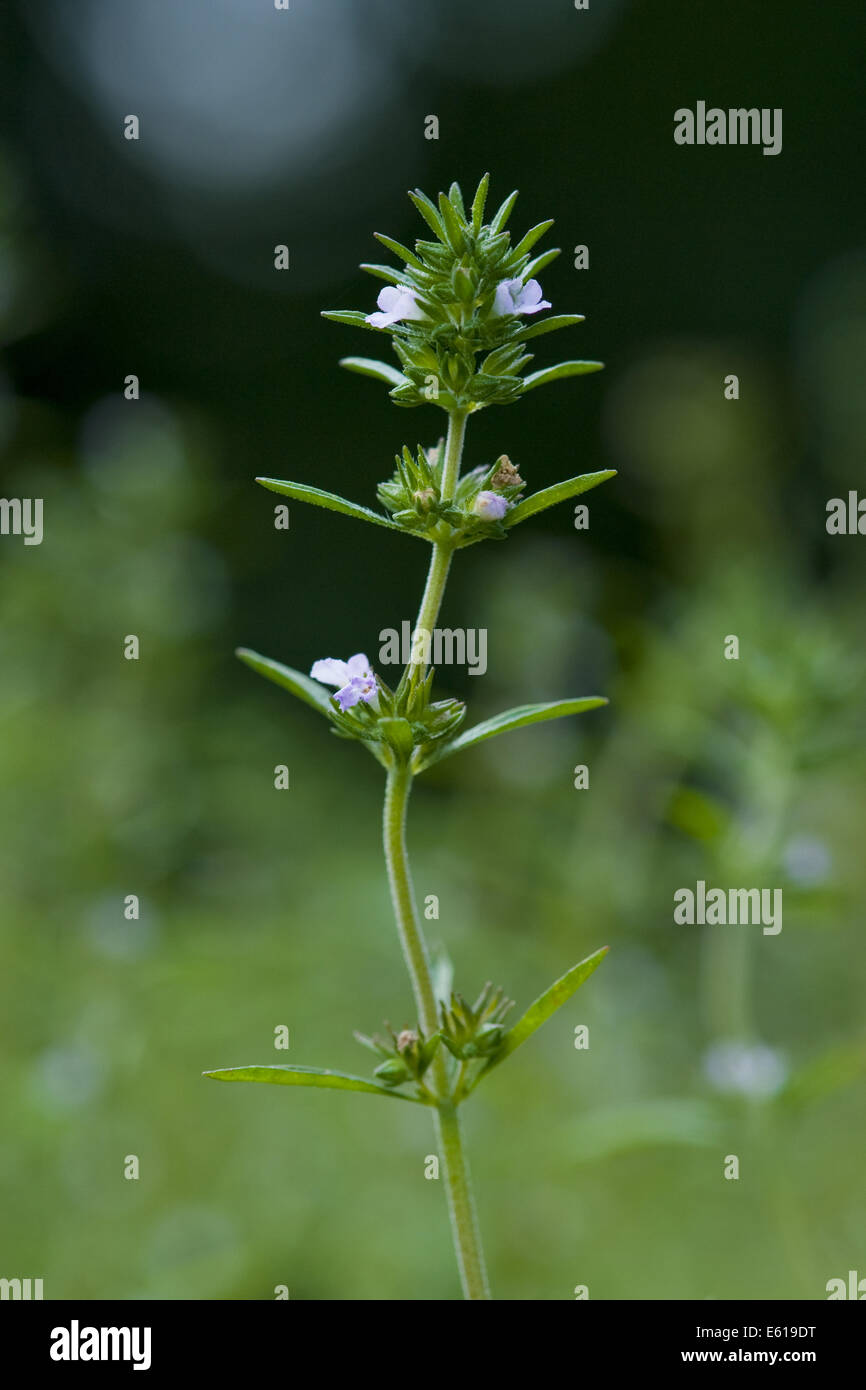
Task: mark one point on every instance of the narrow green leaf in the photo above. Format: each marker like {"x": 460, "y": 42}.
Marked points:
{"x": 559, "y": 492}
{"x": 497, "y": 248}
{"x": 429, "y": 213}
{"x": 306, "y": 1076}
{"x": 302, "y": 493}
{"x": 532, "y": 236}
{"x": 541, "y": 262}
{"x": 508, "y": 720}
{"x": 350, "y": 316}
{"x": 545, "y": 1007}
{"x": 504, "y": 212}
{"x": 478, "y": 203}
{"x": 455, "y": 197}
{"x": 294, "y": 681}
{"x": 383, "y": 272}
{"x": 370, "y": 366}
{"x": 559, "y": 372}
{"x": 450, "y": 223}
{"x": 535, "y": 330}
{"x": 400, "y": 250}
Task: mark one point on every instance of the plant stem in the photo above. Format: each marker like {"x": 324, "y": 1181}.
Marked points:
{"x": 464, "y": 1222}
{"x": 464, "y": 1226}
{"x": 440, "y": 561}
{"x": 453, "y": 453}
{"x": 397, "y": 789}
{"x": 437, "y": 575}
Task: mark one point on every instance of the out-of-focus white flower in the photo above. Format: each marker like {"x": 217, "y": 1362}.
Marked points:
{"x": 747, "y": 1069}
{"x": 807, "y": 860}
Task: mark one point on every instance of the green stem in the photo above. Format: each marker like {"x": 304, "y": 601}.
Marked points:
{"x": 464, "y": 1222}
{"x": 440, "y": 561}
{"x": 437, "y": 575}
{"x": 464, "y": 1226}
{"x": 397, "y": 789}
{"x": 453, "y": 453}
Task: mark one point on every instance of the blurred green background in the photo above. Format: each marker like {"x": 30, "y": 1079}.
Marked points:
{"x": 155, "y": 777}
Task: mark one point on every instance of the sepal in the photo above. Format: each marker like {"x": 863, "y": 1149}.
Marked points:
{"x": 407, "y": 1057}
{"x": 476, "y": 1030}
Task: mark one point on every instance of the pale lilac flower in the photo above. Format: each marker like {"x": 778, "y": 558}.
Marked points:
{"x": 513, "y": 297}
{"x": 354, "y": 678}
{"x": 490, "y": 506}
{"x": 396, "y": 302}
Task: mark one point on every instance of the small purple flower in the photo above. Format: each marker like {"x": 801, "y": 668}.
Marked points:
{"x": 354, "y": 678}
{"x": 396, "y": 302}
{"x": 513, "y": 297}
{"x": 490, "y": 506}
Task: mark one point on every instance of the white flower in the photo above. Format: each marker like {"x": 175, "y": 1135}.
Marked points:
{"x": 513, "y": 297}
{"x": 745, "y": 1069}
{"x": 491, "y": 506}
{"x": 396, "y": 302}
{"x": 807, "y": 860}
{"x": 354, "y": 677}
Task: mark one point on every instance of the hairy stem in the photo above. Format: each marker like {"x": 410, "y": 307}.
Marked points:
{"x": 440, "y": 561}
{"x": 437, "y": 575}
{"x": 397, "y": 790}
{"x": 464, "y": 1226}
{"x": 453, "y": 453}
{"x": 464, "y": 1222}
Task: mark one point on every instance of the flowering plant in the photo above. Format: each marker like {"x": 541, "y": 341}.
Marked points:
{"x": 456, "y": 315}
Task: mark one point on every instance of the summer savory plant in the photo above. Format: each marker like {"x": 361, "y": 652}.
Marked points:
{"x": 460, "y": 313}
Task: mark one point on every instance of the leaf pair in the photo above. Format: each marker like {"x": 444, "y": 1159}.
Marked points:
{"x": 382, "y": 371}
{"x": 536, "y": 502}
{"x": 319, "y": 699}
{"x": 544, "y": 1007}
